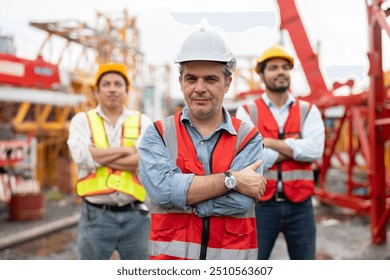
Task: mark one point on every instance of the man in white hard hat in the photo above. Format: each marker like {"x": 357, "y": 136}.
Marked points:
{"x": 201, "y": 167}
{"x": 293, "y": 133}
{"x": 103, "y": 143}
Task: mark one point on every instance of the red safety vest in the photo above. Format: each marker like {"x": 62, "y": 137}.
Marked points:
{"x": 107, "y": 180}
{"x": 180, "y": 234}
{"x": 297, "y": 176}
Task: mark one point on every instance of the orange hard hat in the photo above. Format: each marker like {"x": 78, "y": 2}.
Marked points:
{"x": 276, "y": 51}
{"x": 112, "y": 67}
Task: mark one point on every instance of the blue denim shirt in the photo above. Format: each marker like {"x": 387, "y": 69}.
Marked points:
{"x": 167, "y": 186}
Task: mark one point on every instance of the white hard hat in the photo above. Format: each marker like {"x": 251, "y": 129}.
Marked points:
{"x": 205, "y": 45}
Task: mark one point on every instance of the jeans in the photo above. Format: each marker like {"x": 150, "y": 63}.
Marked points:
{"x": 102, "y": 231}
{"x": 294, "y": 220}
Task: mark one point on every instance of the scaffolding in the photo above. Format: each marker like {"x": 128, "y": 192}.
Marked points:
{"x": 45, "y": 110}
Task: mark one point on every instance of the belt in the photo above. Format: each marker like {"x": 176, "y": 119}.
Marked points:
{"x": 128, "y": 207}
{"x": 280, "y": 196}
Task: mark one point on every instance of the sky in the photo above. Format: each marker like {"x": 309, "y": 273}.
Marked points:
{"x": 337, "y": 29}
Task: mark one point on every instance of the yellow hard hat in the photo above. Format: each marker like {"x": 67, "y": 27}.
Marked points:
{"x": 276, "y": 51}
{"x": 112, "y": 67}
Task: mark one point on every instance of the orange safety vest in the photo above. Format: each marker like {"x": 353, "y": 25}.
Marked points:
{"x": 181, "y": 234}
{"x": 107, "y": 180}
{"x": 296, "y": 176}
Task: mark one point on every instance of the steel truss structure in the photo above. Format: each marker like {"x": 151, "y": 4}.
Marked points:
{"x": 366, "y": 118}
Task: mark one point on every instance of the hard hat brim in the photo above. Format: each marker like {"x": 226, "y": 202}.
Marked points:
{"x": 112, "y": 68}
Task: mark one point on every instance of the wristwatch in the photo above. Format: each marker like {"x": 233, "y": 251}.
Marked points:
{"x": 230, "y": 181}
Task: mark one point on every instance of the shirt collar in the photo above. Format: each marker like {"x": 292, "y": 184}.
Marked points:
{"x": 289, "y": 101}
{"x": 99, "y": 112}
{"x": 227, "y": 124}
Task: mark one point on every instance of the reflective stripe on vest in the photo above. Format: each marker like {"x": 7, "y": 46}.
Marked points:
{"x": 177, "y": 233}
{"x": 297, "y": 177}
{"x": 167, "y": 131}
{"x": 106, "y": 180}
{"x": 175, "y": 250}
{"x": 251, "y": 109}
{"x": 291, "y": 175}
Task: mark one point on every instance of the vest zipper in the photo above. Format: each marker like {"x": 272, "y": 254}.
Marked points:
{"x": 206, "y": 220}
{"x": 205, "y": 237}
{"x": 280, "y": 179}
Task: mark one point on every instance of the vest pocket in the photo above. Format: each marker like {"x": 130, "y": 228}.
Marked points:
{"x": 299, "y": 192}
{"x": 238, "y": 226}
{"x": 167, "y": 227}
{"x": 237, "y": 233}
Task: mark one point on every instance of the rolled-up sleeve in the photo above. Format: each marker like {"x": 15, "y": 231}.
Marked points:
{"x": 311, "y": 146}
{"x": 164, "y": 182}
{"x": 78, "y": 142}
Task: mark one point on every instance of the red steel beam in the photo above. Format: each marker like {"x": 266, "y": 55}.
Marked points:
{"x": 376, "y": 138}
{"x": 290, "y": 21}
{"x": 324, "y": 102}
{"x": 359, "y": 205}
{"x": 362, "y": 136}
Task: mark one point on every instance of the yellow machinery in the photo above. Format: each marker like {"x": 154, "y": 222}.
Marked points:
{"x": 113, "y": 39}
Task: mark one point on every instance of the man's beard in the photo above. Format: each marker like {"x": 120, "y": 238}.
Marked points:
{"x": 277, "y": 89}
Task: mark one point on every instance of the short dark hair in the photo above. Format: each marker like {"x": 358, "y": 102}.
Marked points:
{"x": 262, "y": 66}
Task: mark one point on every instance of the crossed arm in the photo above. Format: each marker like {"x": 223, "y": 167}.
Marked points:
{"x": 309, "y": 148}
{"x": 249, "y": 183}
{"x": 121, "y": 158}
{"x": 168, "y": 187}
{"x": 285, "y": 152}
{"x": 88, "y": 156}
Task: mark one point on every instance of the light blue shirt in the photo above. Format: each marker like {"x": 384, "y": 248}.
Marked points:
{"x": 309, "y": 148}
{"x": 167, "y": 186}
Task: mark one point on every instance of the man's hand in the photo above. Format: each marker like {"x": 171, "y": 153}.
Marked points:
{"x": 249, "y": 182}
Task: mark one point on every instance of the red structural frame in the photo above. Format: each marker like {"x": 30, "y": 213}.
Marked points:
{"x": 368, "y": 116}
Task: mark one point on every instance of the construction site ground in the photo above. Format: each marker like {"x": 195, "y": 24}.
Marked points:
{"x": 341, "y": 234}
